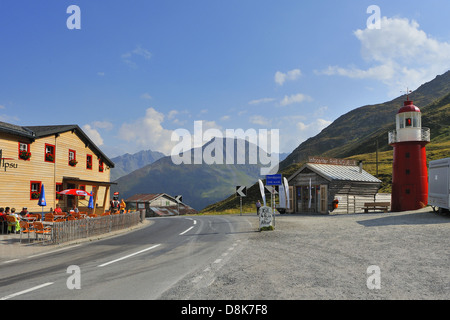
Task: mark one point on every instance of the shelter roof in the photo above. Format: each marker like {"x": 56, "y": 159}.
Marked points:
{"x": 338, "y": 172}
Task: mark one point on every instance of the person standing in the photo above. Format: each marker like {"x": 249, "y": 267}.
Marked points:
{"x": 258, "y": 205}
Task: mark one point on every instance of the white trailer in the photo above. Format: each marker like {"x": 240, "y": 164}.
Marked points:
{"x": 439, "y": 184}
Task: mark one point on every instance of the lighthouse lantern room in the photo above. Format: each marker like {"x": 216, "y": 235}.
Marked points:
{"x": 409, "y": 171}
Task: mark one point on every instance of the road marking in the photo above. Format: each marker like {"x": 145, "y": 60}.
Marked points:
{"x": 9, "y": 261}
{"x": 218, "y": 261}
{"x": 186, "y": 231}
{"x": 50, "y": 252}
{"x": 26, "y": 291}
{"x": 128, "y": 256}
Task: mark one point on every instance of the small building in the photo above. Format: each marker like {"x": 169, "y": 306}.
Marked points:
{"x": 158, "y": 204}
{"x": 321, "y": 181}
{"x": 58, "y": 157}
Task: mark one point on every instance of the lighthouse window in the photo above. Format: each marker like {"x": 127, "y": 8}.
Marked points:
{"x": 407, "y": 191}
{"x": 407, "y": 171}
{"x": 408, "y": 122}
{"x": 407, "y": 155}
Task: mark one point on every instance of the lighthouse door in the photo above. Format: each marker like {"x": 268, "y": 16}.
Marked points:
{"x": 408, "y": 197}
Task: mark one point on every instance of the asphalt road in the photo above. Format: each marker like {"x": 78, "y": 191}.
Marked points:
{"x": 138, "y": 265}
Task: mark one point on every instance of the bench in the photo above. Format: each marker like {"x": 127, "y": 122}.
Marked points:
{"x": 376, "y": 206}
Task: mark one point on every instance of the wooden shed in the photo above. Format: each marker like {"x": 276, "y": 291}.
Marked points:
{"x": 318, "y": 183}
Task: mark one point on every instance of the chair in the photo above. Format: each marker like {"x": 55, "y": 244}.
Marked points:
{"x": 49, "y": 217}
{"x": 40, "y": 229}
{"x": 12, "y": 222}
{"x": 25, "y": 228}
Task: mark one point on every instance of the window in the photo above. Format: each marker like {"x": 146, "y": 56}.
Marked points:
{"x": 24, "y": 151}
{"x": 82, "y": 187}
{"x": 49, "y": 153}
{"x": 100, "y": 165}
{"x": 408, "y": 122}
{"x": 35, "y": 190}
{"x": 72, "y": 158}
{"x": 89, "y": 162}
{"x": 59, "y": 187}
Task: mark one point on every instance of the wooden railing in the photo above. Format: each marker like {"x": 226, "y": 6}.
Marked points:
{"x": 83, "y": 228}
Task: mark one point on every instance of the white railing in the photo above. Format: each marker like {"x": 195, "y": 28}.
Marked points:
{"x": 393, "y": 136}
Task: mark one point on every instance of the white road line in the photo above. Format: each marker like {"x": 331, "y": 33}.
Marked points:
{"x": 186, "y": 231}
{"x": 218, "y": 261}
{"x": 9, "y": 261}
{"x": 26, "y": 291}
{"x": 195, "y": 221}
{"x": 50, "y": 252}
{"x": 128, "y": 256}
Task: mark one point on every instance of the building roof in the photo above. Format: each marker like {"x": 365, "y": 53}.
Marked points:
{"x": 36, "y": 132}
{"x": 144, "y": 197}
{"x": 149, "y": 197}
{"x": 338, "y": 172}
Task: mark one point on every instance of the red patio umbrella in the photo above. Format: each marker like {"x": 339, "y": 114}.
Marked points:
{"x": 75, "y": 192}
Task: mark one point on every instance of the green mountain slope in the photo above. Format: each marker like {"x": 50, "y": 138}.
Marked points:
{"x": 355, "y": 136}
{"x": 356, "y": 132}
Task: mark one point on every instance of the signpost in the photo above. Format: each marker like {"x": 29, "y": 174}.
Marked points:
{"x": 273, "y": 180}
{"x": 178, "y": 199}
{"x": 241, "y": 191}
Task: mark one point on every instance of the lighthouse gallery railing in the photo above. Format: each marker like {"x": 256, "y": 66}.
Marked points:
{"x": 424, "y": 135}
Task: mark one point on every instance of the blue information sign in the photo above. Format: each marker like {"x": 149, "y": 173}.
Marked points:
{"x": 273, "y": 180}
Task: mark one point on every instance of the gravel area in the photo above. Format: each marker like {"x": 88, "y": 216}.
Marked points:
{"x": 327, "y": 257}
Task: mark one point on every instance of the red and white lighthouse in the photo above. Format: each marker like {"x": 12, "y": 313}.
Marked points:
{"x": 409, "y": 169}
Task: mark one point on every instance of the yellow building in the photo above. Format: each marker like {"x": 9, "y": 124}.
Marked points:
{"x": 58, "y": 157}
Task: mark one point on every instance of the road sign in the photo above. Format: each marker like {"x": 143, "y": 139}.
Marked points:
{"x": 179, "y": 199}
{"x": 273, "y": 180}
{"x": 241, "y": 191}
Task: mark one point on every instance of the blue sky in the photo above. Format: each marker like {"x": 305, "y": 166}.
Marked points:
{"x": 137, "y": 70}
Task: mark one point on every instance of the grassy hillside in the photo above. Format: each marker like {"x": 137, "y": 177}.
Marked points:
{"x": 435, "y": 115}
{"x": 357, "y": 131}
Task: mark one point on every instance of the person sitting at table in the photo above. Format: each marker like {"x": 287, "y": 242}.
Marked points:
{"x": 14, "y": 214}
{"x": 74, "y": 209}
{"x": 58, "y": 209}
{"x": 4, "y": 222}
{"x": 24, "y": 212}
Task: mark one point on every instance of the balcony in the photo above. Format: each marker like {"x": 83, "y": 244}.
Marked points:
{"x": 409, "y": 134}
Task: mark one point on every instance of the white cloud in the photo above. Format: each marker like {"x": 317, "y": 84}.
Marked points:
{"x": 259, "y": 120}
{"x": 146, "y": 96}
{"x": 102, "y": 125}
{"x": 2, "y": 107}
{"x": 148, "y": 133}
{"x": 299, "y": 130}
{"x": 281, "y": 78}
{"x": 400, "y": 53}
{"x": 295, "y": 98}
{"x": 137, "y": 52}
{"x": 93, "y": 134}
{"x": 259, "y": 101}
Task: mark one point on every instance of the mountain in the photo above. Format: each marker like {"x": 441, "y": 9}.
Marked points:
{"x": 127, "y": 163}
{"x": 356, "y": 134}
{"x": 199, "y": 184}
{"x": 357, "y": 131}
